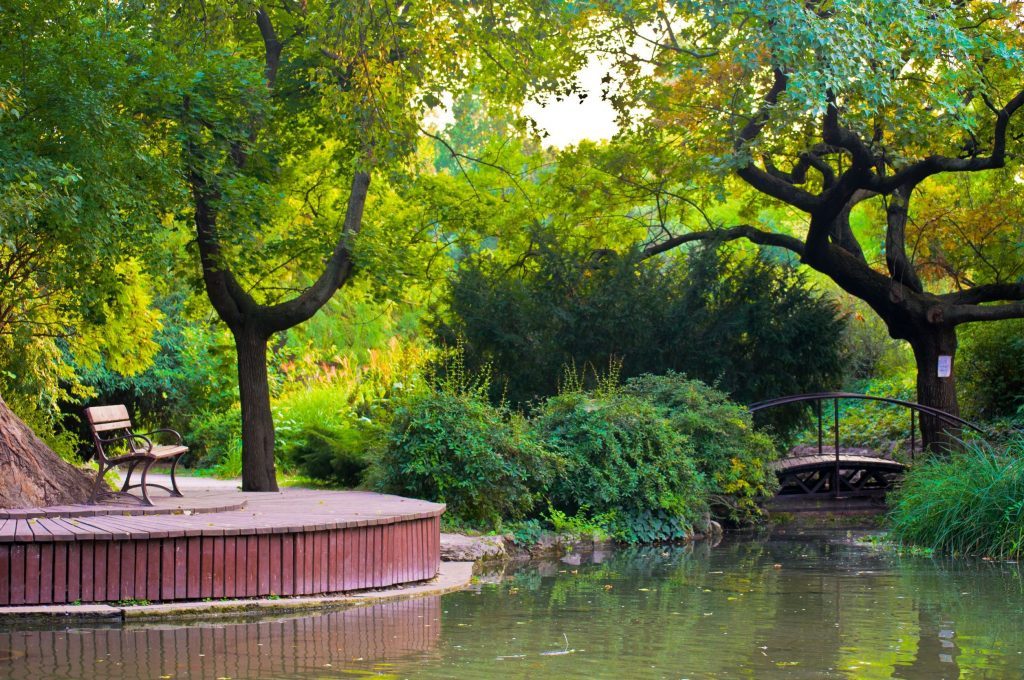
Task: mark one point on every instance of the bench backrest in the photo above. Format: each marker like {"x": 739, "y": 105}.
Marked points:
{"x": 106, "y": 418}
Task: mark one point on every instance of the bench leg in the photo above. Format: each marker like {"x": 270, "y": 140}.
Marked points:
{"x": 174, "y": 481}
{"x": 142, "y": 486}
{"x": 128, "y": 476}
{"x": 96, "y": 485}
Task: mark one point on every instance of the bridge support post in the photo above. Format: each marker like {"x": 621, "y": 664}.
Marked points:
{"x": 835, "y": 480}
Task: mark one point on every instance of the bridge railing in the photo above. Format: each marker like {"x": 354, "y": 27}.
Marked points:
{"x": 816, "y": 398}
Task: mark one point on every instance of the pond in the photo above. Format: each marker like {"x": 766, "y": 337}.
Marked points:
{"x": 804, "y": 606}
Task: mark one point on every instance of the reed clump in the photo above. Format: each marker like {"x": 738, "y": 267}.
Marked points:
{"x": 968, "y": 503}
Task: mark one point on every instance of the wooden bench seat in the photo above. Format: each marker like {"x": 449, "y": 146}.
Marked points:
{"x": 118, "y": 444}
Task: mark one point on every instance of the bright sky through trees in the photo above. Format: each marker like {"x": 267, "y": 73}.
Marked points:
{"x": 570, "y": 121}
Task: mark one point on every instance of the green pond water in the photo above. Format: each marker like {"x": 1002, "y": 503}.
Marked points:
{"x": 800, "y": 606}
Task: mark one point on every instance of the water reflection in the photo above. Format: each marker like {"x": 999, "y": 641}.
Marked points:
{"x": 307, "y": 646}
{"x": 795, "y": 607}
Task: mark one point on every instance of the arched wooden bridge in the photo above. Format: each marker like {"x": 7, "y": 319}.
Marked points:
{"x": 834, "y": 472}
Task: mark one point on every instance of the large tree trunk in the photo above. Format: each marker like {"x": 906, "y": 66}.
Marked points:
{"x": 257, "y": 420}
{"x": 31, "y": 474}
{"x": 932, "y": 390}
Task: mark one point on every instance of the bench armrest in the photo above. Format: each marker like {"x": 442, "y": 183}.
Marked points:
{"x": 133, "y": 440}
{"x": 165, "y": 430}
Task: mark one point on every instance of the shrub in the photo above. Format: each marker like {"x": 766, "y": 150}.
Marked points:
{"x": 620, "y": 459}
{"x": 991, "y": 366}
{"x": 217, "y": 437}
{"x": 969, "y": 503}
{"x": 455, "y": 447}
{"x": 336, "y": 455}
{"x": 318, "y": 432}
{"x": 753, "y": 326}
{"x": 726, "y": 448}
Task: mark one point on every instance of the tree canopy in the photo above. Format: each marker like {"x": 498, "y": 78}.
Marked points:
{"x": 830, "y": 108}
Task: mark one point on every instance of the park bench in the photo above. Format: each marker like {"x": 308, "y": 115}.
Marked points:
{"x": 117, "y": 444}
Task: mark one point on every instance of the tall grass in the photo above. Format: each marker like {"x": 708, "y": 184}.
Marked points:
{"x": 971, "y": 503}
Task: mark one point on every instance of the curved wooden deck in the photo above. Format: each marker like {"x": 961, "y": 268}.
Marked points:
{"x": 219, "y": 545}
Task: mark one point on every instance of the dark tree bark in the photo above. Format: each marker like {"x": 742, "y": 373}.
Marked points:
{"x": 932, "y": 390}
{"x": 31, "y": 474}
{"x": 253, "y": 324}
{"x": 851, "y": 170}
{"x": 257, "y": 420}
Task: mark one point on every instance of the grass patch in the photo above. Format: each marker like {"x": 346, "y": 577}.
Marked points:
{"x": 969, "y": 503}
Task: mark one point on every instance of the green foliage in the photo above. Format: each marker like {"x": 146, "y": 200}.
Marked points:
{"x": 192, "y": 371}
{"x": 728, "y": 451}
{"x": 339, "y": 455}
{"x": 649, "y": 526}
{"x": 618, "y": 456}
{"x": 216, "y": 438}
{"x": 744, "y": 323}
{"x": 971, "y": 503}
{"x": 868, "y": 352}
{"x": 991, "y": 366}
{"x": 876, "y": 425}
{"x": 81, "y": 178}
{"x": 318, "y": 432}
{"x": 450, "y": 445}
{"x": 580, "y": 525}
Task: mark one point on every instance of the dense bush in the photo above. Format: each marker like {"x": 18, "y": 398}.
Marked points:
{"x": 318, "y": 432}
{"x": 456, "y": 448}
{"x": 971, "y": 503}
{"x": 726, "y": 448}
{"x": 752, "y": 326}
{"x": 622, "y": 462}
{"x": 991, "y": 367}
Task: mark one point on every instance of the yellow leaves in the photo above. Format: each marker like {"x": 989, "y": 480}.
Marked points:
{"x": 125, "y": 337}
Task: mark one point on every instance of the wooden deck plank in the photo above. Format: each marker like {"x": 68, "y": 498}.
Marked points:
{"x": 87, "y": 566}
{"x": 218, "y": 567}
{"x": 114, "y": 571}
{"x": 333, "y": 563}
{"x": 276, "y": 558}
{"x": 180, "y": 568}
{"x": 127, "y": 568}
{"x": 107, "y": 527}
{"x": 33, "y": 558}
{"x": 230, "y": 571}
{"x": 60, "y": 572}
{"x": 263, "y": 561}
{"x": 46, "y": 572}
{"x": 288, "y": 564}
{"x": 252, "y": 562}
{"x": 318, "y": 555}
{"x": 193, "y": 570}
{"x": 300, "y": 564}
{"x": 17, "y": 568}
{"x": 75, "y": 574}
{"x": 141, "y": 573}
{"x": 309, "y": 578}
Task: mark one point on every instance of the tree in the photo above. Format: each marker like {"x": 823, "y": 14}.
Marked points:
{"x": 285, "y": 104}
{"x": 80, "y": 173}
{"x": 830, "y": 108}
